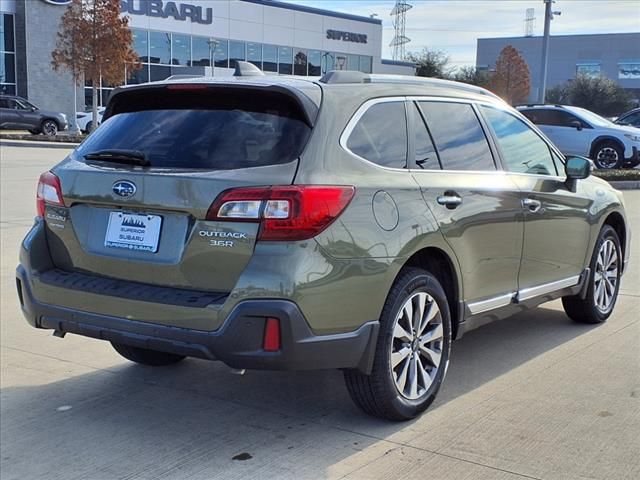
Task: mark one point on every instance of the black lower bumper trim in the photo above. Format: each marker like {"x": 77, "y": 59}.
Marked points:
{"x": 238, "y": 342}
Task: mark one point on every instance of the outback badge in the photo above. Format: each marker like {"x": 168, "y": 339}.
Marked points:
{"x": 123, "y": 188}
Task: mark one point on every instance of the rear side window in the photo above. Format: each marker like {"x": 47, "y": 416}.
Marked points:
{"x": 380, "y": 135}
{"x": 522, "y": 149}
{"x": 213, "y": 130}
{"x": 458, "y": 136}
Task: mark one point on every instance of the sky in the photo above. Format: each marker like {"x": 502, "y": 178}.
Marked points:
{"x": 453, "y": 26}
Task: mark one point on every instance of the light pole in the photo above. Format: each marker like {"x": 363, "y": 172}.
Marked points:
{"x": 548, "y": 16}
{"x": 213, "y": 44}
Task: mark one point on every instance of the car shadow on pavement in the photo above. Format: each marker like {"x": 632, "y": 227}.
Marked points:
{"x": 196, "y": 415}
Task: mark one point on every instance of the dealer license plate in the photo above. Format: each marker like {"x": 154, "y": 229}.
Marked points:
{"x": 133, "y": 232}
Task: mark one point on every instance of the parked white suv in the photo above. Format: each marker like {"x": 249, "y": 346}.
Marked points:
{"x": 577, "y": 131}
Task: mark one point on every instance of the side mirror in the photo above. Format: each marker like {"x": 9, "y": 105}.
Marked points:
{"x": 576, "y": 124}
{"x": 576, "y": 168}
{"x": 34, "y": 109}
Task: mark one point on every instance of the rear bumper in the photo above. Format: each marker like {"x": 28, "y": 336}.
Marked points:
{"x": 238, "y": 342}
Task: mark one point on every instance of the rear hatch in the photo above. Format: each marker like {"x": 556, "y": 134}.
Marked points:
{"x": 138, "y": 190}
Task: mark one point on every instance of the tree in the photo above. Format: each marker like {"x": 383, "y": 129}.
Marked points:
{"x": 511, "y": 80}
{"x": 599, "y": 94}
{"x": 557, "y": 95}
{"x": 431, "y": 63}
{"x": 472, "y": 76}
{"x": 95, "y": 43}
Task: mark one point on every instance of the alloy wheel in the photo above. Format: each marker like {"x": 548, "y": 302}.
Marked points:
{"x": 607, "y": 157}
{"x": 605, "y": 278}
{"x": 416, "y": 348}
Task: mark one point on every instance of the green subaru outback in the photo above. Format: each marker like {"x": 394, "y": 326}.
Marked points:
{"x": 357, "y": 222}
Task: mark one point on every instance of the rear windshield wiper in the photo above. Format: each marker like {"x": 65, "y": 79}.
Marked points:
{"x": 132, "y": 157}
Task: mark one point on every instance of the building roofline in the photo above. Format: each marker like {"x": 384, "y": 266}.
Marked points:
{"x": 317, "y": 11}
{"x": 566, "y": 35}
{"x": 386, "y": 61}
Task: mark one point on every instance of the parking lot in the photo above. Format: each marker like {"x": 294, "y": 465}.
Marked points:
{"x": 534, "y": 396}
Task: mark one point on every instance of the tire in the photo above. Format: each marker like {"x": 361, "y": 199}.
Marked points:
{"x": 596, "y": 307}
{"x": 89, "y": 127}
{"x": 608, "y": 155}
{"x": 49, "y": 128}
{"x": 383, "y": 393}
{"x": 145, "y": 356}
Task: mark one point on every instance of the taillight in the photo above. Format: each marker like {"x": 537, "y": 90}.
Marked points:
{"x": 49, "y": 192}
{"x": 295, "y": 212}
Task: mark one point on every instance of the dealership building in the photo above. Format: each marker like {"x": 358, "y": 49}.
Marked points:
{"x": 613, "y": 55}
{"x": 202, "y": 37}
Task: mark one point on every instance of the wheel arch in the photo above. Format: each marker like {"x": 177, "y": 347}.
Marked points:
{"x": 604, "y": 138}
{"x": 442, "y": 266}
{"x": 44, "y": 119}
{"x": 616, "y": 221}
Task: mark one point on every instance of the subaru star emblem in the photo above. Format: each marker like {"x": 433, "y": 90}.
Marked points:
{"x": 124, "y": 188}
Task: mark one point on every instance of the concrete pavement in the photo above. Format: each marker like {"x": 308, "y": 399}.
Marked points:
{"x": 534, "y": 396}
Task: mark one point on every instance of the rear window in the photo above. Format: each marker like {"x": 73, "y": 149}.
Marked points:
{"x": 208, "y": 129}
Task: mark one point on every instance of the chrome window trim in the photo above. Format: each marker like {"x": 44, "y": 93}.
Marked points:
{"x": 538, "y": 290}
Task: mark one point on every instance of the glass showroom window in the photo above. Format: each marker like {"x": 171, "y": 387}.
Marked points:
{"x": 365, "y": 64}
{"x": 300, "y": 63}
{"x": 236, "y": 52}
{"x": 160, "y": 47}
{"x": 221, "y": 53}
{"x": 180, "y": 50}
{"x": 629, "y": 71}
{"x": 254, "y": 54}
{"x": 353, "y": 62}
{"x": 7, "y": 55}
{"x": 326, "y": 62}
{"x": 315, "y": 61}
{"x": 588, "y": 69}
{"x": 269, "y": 58}
{"x": 200, "y": 52}
{"x": 285, "y": 60}
{"x": 141, "y": 43}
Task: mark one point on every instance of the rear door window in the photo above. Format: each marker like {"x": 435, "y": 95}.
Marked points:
{"x": 523, "y": 151}
{"x": 380, "y": 136}
{"x": 425, "y": 152}
{"x": 205, "y": 130}
{"x": 458, "y": 136}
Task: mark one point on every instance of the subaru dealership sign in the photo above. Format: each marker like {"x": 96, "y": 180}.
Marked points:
{"x": 164, "y": 9}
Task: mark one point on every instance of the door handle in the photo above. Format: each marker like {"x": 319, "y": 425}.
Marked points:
{"x": 449, "y": 200}
{"x": 532, "y": 205}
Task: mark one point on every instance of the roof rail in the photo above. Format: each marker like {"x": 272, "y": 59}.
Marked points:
{"x": 183, "y": 76}
{"x": 347, "y": 76}
{"x": 247, "y": 69}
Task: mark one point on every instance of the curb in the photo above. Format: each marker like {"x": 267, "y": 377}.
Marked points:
{"x": 626, "y": 184}
{"x": 36, "y": 144}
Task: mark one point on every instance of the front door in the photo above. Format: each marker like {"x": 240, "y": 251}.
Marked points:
{"x": 556, "y": 228}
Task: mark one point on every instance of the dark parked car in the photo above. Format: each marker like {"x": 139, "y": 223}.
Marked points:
{"x": 630, "y": 118}
{"x": 17, "y": 113}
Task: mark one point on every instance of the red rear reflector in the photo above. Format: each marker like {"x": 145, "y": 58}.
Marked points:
{"x": 271, "y": 341}
{"x": 49, "y": 192}
{"x": 288, "y": 213}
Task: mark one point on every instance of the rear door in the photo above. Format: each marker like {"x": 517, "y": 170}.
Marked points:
{"x": 477, "y": 207}
{"x": 8, "y": 114}
{"x": 556, "y": 229}
{"x": 149, "y": 224}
